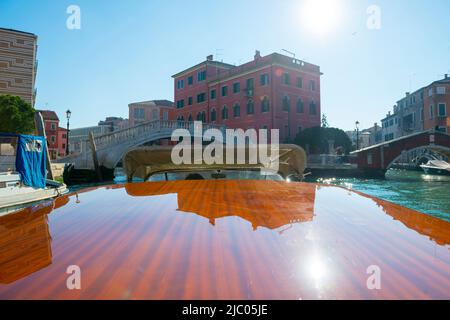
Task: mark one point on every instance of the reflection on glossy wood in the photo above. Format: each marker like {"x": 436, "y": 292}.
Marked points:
{"x": 24, "y": 243}
{"x": 237, "y": 240}
{"x": 262, "y": 208}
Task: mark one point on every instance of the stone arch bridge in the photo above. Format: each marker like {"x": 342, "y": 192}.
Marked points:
{"x": 376, "y": 160}
{"x": 112, "y": 146}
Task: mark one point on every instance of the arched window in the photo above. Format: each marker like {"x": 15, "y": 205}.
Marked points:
{"x": 199, "y": 116}
{"x": 225, "y": 113}
{"x": 286, "y": 103}
{"x": 312, "y": 108}
{"x": 250, "y": 107}
{"x": 190, "y": 117}
{"x": 213, "y": 115}
{"x": 265, "y": 105}
{"x": 300, "y": 106}
{"x": 237, "y": 110}
{"x": 203, "y": 116}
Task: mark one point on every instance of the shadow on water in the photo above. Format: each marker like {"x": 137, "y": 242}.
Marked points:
{"x": 412, "y": 189}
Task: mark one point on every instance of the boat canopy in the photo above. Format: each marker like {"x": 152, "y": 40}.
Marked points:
{"x": 143, "y": 162}
{"x": 30, "y": 153}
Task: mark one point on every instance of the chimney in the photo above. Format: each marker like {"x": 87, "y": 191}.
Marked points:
{"x": 257, "y": 54}
{"x": 210, "y": 57}
{"x": 446, "y": 76}
{"x": 407, "y": 94}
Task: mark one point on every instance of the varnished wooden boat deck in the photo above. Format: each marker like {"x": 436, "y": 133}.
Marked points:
{"x": 223, "y": 240}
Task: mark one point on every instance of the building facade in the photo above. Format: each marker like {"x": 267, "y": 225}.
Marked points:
{"x": 410, "y": 112}
{"x": 114, "y": 123}
{"x": 270, "y": 92}
{"x": 62, "y": 142}
{"x": 391, "y": 126}
{"x": 437, "y": 105}
{"x": 18, "y": 64}
{"x": 424, "y": 109}
{"x": 56, "y": 136}
{"x": 140, "y": 112}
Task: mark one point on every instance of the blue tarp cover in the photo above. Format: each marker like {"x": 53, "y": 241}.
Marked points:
{"x": 31, "y": 159}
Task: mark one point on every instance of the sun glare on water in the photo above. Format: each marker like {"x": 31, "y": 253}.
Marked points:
{"x": 321, "y": 17}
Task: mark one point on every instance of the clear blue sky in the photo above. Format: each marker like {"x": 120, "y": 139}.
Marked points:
{"x": 126, "y": 51}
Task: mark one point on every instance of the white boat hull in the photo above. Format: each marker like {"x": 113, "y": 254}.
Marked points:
{"x": 11, "y": 197}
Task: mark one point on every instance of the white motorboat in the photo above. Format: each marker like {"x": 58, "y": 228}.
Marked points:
{"x": 15, "y": 195}
{"x": 24, "y": 180}
{"x": 438, "y": 167}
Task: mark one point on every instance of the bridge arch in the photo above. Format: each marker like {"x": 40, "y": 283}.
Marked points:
{"x": 444, "y": 151}
{"x": 376, "y": 160}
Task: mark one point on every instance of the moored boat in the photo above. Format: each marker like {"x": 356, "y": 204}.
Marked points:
{"x": 438, "y": 167}
{"x": 23, "y": 180}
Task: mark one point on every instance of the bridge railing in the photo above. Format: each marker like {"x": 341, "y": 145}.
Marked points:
{"x": 103, "y": 141}
{"x": 330, "y": 159}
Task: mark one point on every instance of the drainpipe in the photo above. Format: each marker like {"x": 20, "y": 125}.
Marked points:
{"x": 272, "y": 104}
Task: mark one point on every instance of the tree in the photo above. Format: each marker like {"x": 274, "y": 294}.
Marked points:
{"x": 16, "y": 115}
{"x": 317, "y": 138}
{"x": 324, "y": 121}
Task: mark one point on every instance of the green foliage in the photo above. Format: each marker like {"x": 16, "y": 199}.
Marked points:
{"x": 317, "y": 139}
{"x": 324, "y": 121}
{"x": 16, "y": 115}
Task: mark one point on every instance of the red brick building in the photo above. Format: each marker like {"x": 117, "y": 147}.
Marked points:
{"x": 436, "y": 105}
{"x": 56, "y": 136}
{"x": 62, "y": 142}
{"x": 273, "y": 92}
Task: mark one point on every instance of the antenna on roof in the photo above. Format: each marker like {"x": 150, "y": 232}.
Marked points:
{"x": 218, "y": 54}
{"x": 289, "y": 52}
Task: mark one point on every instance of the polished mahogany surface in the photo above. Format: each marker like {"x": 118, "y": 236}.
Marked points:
{"x": 223, "y": 240}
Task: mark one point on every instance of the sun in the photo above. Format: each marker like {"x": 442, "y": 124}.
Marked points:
{"x": 321, "y": 16}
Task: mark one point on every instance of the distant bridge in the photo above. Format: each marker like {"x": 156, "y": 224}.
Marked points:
{"x": 112, "y": 146}
{"x": 376, "y": 160}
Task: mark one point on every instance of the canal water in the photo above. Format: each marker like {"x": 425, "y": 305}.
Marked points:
{"x": 429, "y": 194}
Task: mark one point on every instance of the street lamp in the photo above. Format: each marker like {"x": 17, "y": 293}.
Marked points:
{"x": 68, "y": 114}
{"x": 357, "y": 135}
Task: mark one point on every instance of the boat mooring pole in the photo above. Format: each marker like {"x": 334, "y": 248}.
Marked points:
{"x": 94, "y": 156}
{"x": 40, "y": 128}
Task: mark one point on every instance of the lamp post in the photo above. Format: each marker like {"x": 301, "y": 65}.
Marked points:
{"x": 357, "y": 135}
{"x": 68, "y": 114}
